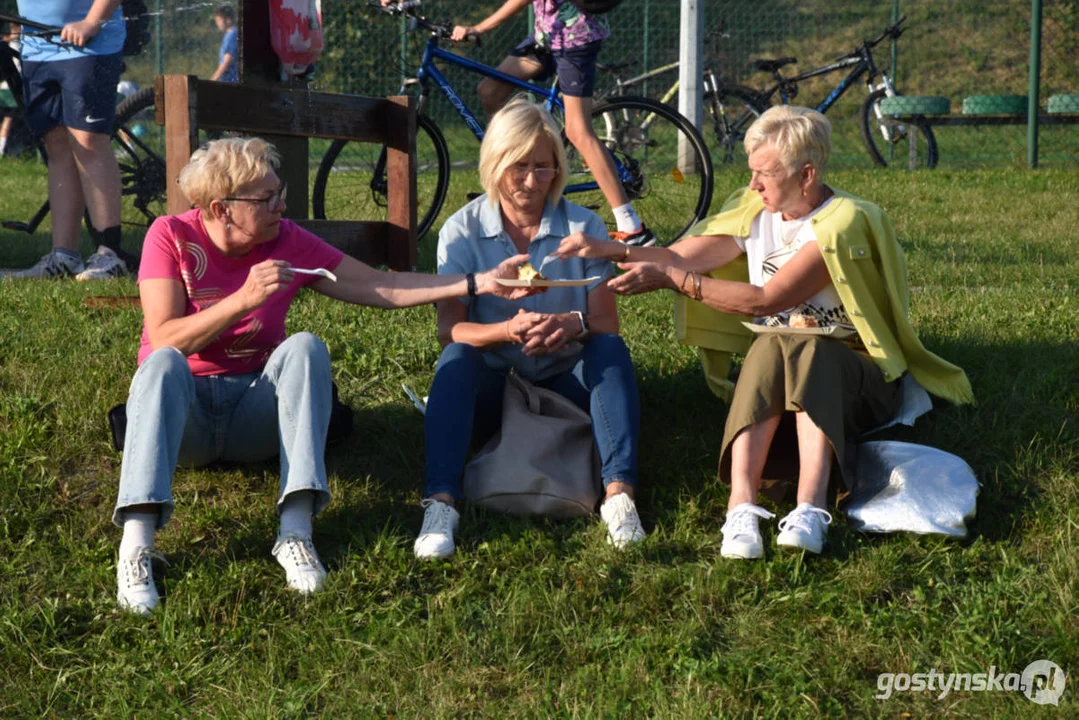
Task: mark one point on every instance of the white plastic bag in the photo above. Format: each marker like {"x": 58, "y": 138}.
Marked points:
{"x": 901, "y": 486}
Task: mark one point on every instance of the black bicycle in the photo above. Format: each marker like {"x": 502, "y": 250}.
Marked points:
{"x": 137, "y": 142}
{"x": 733, "y": 108}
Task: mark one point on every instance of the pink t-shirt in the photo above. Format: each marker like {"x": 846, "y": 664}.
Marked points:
{"x": 178, "y": 248}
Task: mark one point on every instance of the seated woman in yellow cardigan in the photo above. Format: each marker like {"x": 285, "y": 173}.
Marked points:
{"x": 791, "y": 252}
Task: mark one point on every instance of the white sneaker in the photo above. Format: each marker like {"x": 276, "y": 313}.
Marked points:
{"x": 436, "y": 536}
{"x": 806, "y": 527}
{"x": 51, "y": 265}
{"x": 623, "y": 523}
{"x": 741, "y": 537}
{"x": 303, "y": 569}
{"x": 135, "y": 589}
{"x": 102, "y": 265}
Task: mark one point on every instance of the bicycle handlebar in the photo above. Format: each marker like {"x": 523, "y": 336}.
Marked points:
{"x": 892, "y": 31}
{"x": 43, "y": 30}
{"x": 408, "y": 7}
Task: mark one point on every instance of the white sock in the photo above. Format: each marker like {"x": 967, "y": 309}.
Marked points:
{"x": 139, "y": 529}
{"x": 626, "y": 219}
{"x": 297, "y": 511}
{"x": 3, "y": 144}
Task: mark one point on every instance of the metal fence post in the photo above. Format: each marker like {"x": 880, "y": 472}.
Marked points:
{"x": 1035, "y": 81}
{"x": 689, "y": 76}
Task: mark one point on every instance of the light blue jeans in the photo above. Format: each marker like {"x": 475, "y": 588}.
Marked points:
{"x": 175, "y": 418}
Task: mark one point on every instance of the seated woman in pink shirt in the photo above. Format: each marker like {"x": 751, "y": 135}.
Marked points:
{"x": 217, "y": 378}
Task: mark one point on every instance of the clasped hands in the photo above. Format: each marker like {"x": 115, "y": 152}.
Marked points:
{"x": 541, "y": 333}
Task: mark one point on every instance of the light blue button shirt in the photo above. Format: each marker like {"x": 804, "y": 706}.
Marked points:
{"x": 474, "y": 240}
{"x": 57, "y": 13}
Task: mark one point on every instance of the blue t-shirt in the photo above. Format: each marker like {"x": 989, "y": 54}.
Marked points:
{"x": 108, "y": 41}
{"x": 230, "y": 46}
{"x": 474, "y": 240}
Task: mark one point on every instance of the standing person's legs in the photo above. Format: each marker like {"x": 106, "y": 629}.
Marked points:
{"x": 66, "y": 200}
{"x": 576, "y": 68}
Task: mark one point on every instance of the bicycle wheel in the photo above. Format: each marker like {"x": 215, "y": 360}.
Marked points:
{"x": 351, "y": 182}
{"x": 879, "y": 132}
{"x": 138, "y": 143}
{"x": 667, "y": 173}
{"x": 732, "y": 110}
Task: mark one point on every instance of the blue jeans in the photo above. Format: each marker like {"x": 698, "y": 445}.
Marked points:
{"x": 465, "y": 404}
{"x": 176, "y": 418}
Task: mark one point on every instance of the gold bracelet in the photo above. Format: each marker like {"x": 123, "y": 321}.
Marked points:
{"x": 625, "y": 255}
{"x": 682, "y": 287}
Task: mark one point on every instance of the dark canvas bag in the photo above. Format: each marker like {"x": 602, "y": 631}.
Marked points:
{"x": 543, "y": 460}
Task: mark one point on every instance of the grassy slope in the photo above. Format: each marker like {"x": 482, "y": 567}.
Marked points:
{"x": 535, "y": 618}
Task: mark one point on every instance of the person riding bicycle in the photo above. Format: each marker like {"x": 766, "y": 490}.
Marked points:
{"x": 70, "y": 94}
{"x": 565, "y": 43}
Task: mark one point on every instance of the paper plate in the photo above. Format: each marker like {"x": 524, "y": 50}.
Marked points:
{"x": 546, "y": 283}
{"x": 833, "y": 331}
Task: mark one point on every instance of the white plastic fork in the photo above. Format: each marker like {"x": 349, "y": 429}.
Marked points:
{"x": 322, "y": 272}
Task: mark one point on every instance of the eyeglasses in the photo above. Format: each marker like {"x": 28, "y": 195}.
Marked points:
{"x": 273, "y": 201}
{"x": 518, "y": 173}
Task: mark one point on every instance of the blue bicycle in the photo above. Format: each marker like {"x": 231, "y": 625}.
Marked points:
{"x": 660, "y": 157}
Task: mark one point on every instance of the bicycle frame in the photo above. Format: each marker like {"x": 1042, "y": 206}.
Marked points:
{"x": 860, "y": 65}
{"x": 552, "y": 99}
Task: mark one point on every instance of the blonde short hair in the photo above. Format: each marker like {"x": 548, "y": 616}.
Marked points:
{"x": 511, "y": 135}
{"x": 216, "y": 170}
{"x": 801, "y": 135}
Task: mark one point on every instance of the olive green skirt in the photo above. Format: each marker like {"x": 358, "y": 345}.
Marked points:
{"x": 839, "y": 387}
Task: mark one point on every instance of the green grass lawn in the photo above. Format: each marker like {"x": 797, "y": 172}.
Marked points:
{"x": 535, "y": 618}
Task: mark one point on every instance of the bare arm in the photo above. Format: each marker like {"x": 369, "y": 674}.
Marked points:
{"x": 803, "y": 276}
{"x": 223, "y": 67}
{"x": 556, "y": 330}
{"x": 700, "y": 253}
{"x": 363, "y": 285}
{"x": 82, "y": 32}
{"x": 453, "y": 326}
{"x": 164, "y": 303}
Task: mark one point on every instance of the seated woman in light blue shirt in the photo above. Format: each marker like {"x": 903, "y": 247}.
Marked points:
{"x": 565, "y": 339}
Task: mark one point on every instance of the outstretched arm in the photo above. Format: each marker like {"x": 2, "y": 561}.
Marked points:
{"x": 499, "y": 16}
{"x": 699, "y": 253}
{"x": 363, "y": 285}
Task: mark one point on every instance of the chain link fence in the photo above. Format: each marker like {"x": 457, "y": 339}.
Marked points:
{"x": 954, "y": 49}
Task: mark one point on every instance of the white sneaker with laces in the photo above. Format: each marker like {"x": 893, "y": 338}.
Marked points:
{"x": 102, "y": 265}
{"x": 741, "y": 537}
{"x": 51, "y": 265}
{"x": 135, "y": 589}
{"x": 303, "y": 569}
{"x": 806, "y": 527}
{"x": 623, "y": 523}
{"x": 436, "y": 536}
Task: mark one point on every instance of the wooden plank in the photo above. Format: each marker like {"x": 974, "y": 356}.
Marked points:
{"x": 176, "y": 98}
{"x": 365, "y": 241}
{"x": 265, "y": 110}
{"x": 401, "y": 190}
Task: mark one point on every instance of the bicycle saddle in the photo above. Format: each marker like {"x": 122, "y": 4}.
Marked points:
{"x": 766, "y": 65}
{"x": 616, "y": 66}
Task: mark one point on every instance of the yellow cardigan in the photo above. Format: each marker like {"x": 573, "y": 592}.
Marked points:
{"x": 869, "y": 272}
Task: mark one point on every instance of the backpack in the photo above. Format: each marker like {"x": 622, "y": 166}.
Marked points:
{"x": 137, "y": 25}
{"x": 596, "y": 7}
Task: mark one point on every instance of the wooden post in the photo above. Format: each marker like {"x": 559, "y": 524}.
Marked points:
{"x": 260, "y": 67}
{"x": 175, "y": 107}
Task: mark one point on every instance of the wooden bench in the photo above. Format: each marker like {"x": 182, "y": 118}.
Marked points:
{"x": 977, "y": 110}
{"x": 184, "y": 104}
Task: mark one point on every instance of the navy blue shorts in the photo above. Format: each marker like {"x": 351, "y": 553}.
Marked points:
{"x": 575, "y": 67}
{"x": 79, "y": 93}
